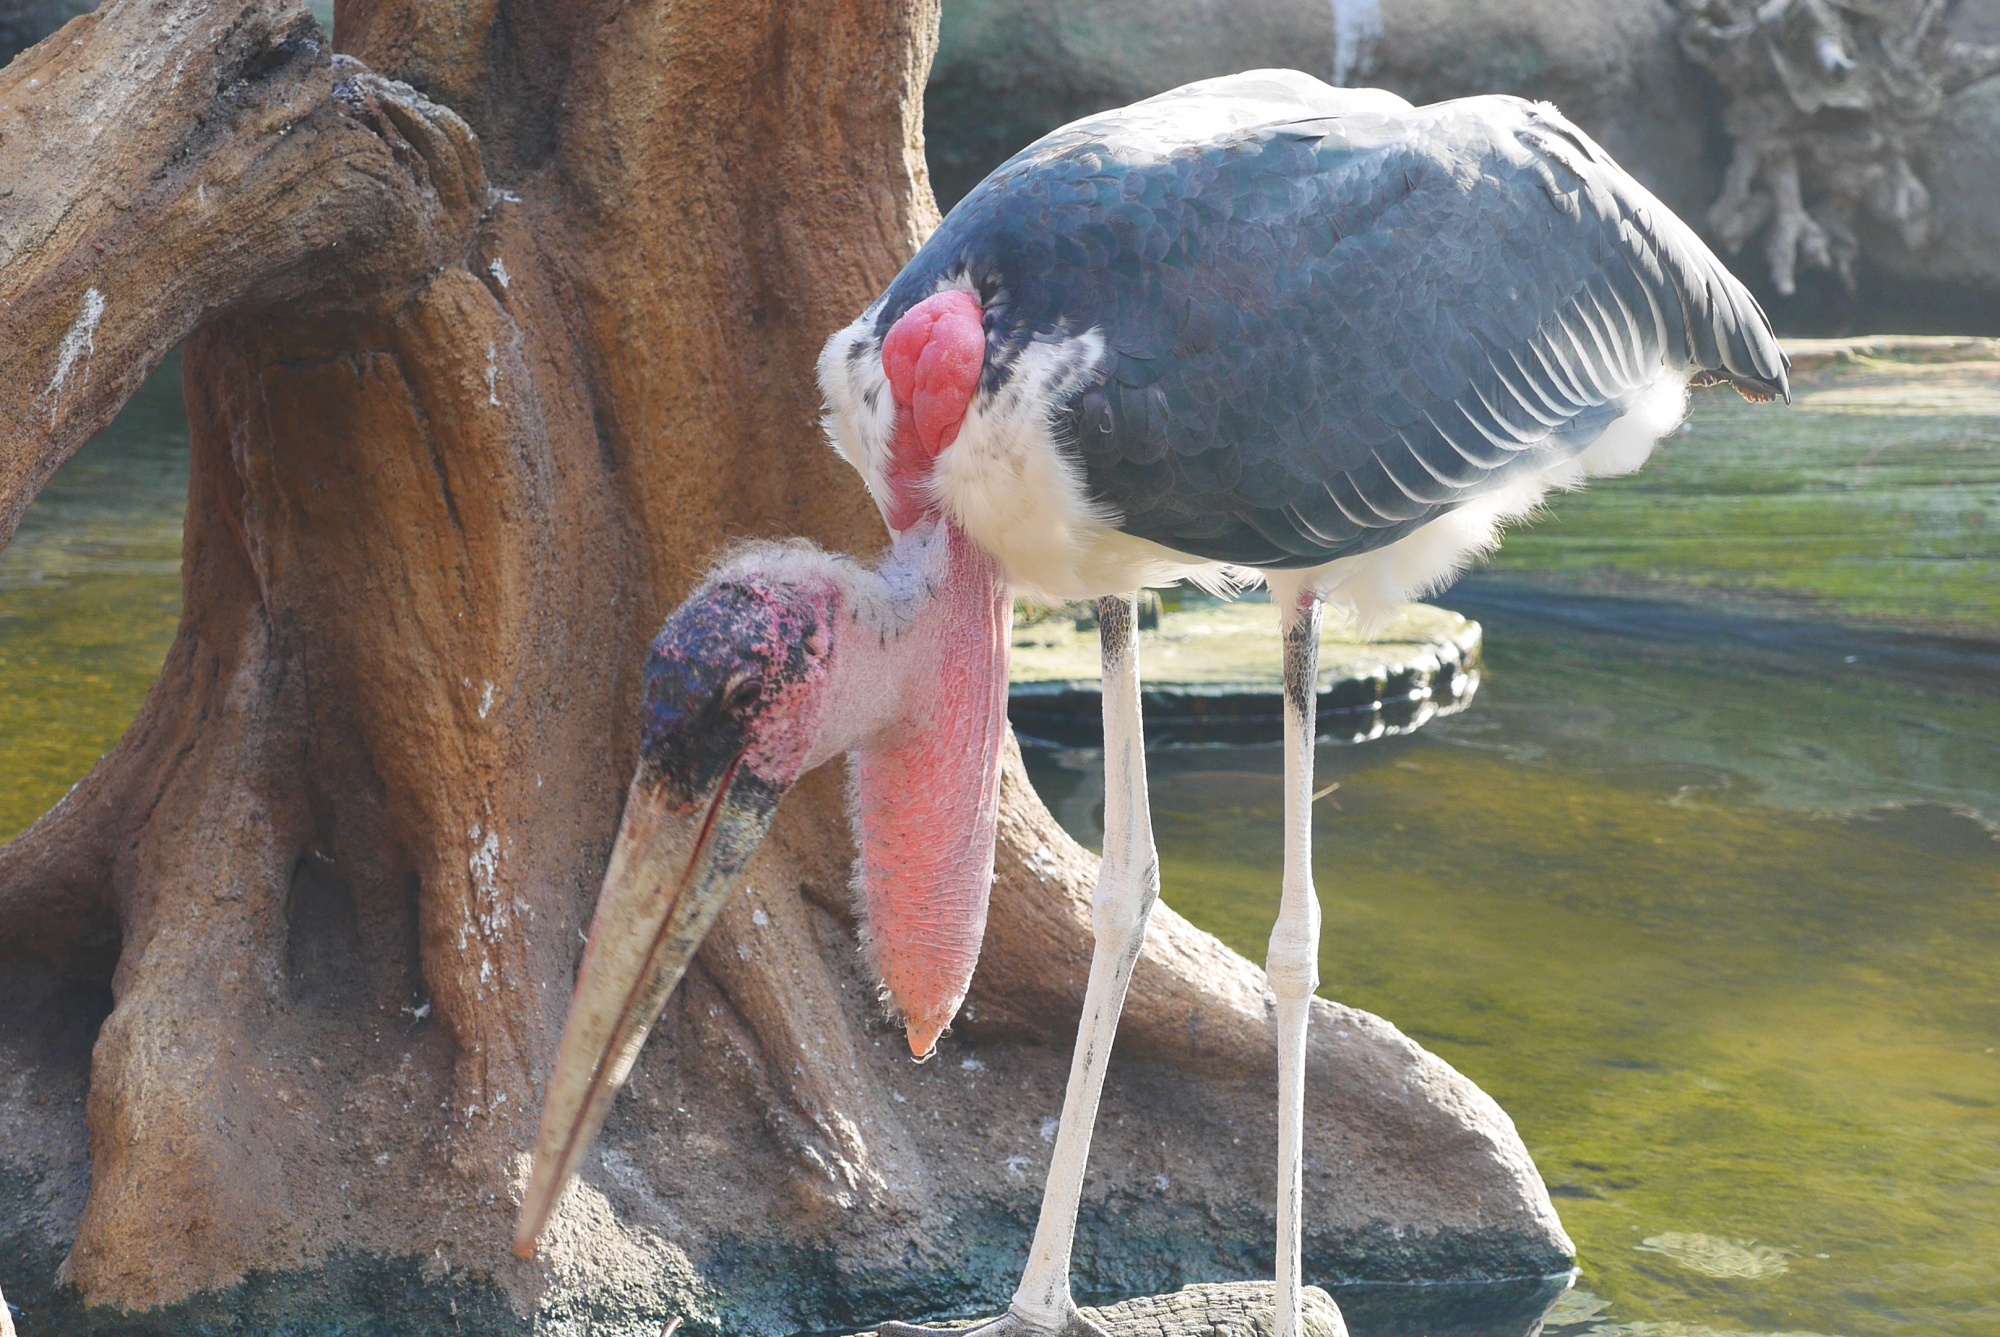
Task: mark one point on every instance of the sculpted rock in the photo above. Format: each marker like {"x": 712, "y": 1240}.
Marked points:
{"x": 1240, "y": 1309}
{"x": 777, "y": 1161}
{"x": 1824, "y": 134}
{"x": 1831, "y": 104}
{"x": 1958, "y": 157}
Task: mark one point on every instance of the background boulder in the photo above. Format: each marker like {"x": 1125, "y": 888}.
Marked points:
{"x": 1009, "y": 70}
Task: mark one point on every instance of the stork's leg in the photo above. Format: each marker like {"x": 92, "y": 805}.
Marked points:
{"x": 1293, "y": 961}
{"x": 1128, "y": 882}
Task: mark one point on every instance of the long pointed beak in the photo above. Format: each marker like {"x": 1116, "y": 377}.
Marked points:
{"x": 671, "y": 871}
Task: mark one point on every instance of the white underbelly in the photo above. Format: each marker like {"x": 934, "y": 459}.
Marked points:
{"x": 1025, "y": 502}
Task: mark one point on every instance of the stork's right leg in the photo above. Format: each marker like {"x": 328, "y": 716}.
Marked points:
{"x": 1128, "y": 882}
{"x": 1292, "y": 965}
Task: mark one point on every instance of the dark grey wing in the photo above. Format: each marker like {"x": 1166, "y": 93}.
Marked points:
{"x": 1325, "y": 328}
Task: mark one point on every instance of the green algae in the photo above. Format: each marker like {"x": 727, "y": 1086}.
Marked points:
{"x": 1713, "y": 1256}
{"x": 1875, "y": 496}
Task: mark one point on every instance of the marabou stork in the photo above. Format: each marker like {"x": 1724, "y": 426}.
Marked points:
{"x": 1254, "y": 328}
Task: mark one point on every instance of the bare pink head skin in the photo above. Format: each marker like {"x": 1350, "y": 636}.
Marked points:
{"x": 785, "y": 658}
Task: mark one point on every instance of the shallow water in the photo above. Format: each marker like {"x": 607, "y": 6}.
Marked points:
{"x": 1710, "y": 902}
{"x": 90, "y": 593}
{"x": 1713, "y": 912}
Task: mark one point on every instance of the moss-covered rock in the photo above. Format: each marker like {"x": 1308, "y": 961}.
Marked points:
{"x": 1875, "y": 498}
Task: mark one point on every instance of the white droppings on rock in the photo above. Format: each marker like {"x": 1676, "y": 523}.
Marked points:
{"x": 498, "y": 269}
{"x": 760, "y": 919}
{"x": 973, "y": 1065}
{"x": 1049, "y": 1127}
{"x": 1017, "y": 1166}
{"x": 486, "y": 701}
{"x": 484, "y": 865}
{"x": 492, "y": 377}
{"x": 79, "y": 343}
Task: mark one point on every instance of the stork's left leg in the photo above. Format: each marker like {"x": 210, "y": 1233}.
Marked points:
{"x": 1128, "y": 883}
{"x": 1292, "y": 964}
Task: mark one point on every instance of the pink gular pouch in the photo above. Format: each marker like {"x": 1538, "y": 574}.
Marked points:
{"x": 784, "y": 659}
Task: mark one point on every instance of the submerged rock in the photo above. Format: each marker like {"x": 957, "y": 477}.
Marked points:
{"x": 1228, "y": 1309}
{"x": 1210, "y": 673}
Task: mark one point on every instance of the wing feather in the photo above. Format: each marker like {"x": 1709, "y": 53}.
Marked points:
{"x": 1330, "y": 316}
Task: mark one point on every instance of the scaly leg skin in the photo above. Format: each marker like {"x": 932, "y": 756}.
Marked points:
{"x": 1128, "y": 882}
{"x": 1293, "y": 962}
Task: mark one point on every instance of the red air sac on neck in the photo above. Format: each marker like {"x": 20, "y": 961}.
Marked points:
{"x": 933, "y": 357}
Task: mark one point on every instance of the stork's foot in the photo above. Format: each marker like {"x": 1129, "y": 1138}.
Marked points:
{"x": 1009, "y": 1324}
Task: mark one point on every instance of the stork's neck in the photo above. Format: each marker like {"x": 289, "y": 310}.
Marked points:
{"x": 920, "y": 695}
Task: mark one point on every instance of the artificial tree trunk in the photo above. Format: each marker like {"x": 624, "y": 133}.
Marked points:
{"x": 481, "y": 378}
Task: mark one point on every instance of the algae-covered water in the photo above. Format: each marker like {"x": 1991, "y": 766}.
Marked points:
{"x": 1703, "y": 888}
{"x": 90, "y": 592}
{"x": 1716, "y": 920}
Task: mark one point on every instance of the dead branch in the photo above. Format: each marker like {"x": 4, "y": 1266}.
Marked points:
{"x": 164, "y": 162}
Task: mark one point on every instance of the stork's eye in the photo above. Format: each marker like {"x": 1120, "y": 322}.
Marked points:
{"x": 742, "y": 692}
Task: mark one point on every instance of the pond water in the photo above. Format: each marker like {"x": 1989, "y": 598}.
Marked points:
{"x": 1713, "y": 913}
{"x": 1704, "y": 888}
{"x": 90, "y": 592}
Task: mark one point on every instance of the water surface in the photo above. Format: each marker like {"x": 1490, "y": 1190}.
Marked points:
{"x": 90, "y": 593}
{"x": 1711, "y": 905}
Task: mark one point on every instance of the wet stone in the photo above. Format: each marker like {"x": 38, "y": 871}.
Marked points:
{"x": 1210, "y": 672}
{"x": 1228, "y": 1309}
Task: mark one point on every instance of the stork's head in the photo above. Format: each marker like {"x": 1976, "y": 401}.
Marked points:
{"x": 736, "y": 692}
{"x": 736, "y": 695}
{"x": 784, "y": 659}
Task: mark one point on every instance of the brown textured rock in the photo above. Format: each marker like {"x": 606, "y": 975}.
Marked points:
{"x": 481, "y": 377}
